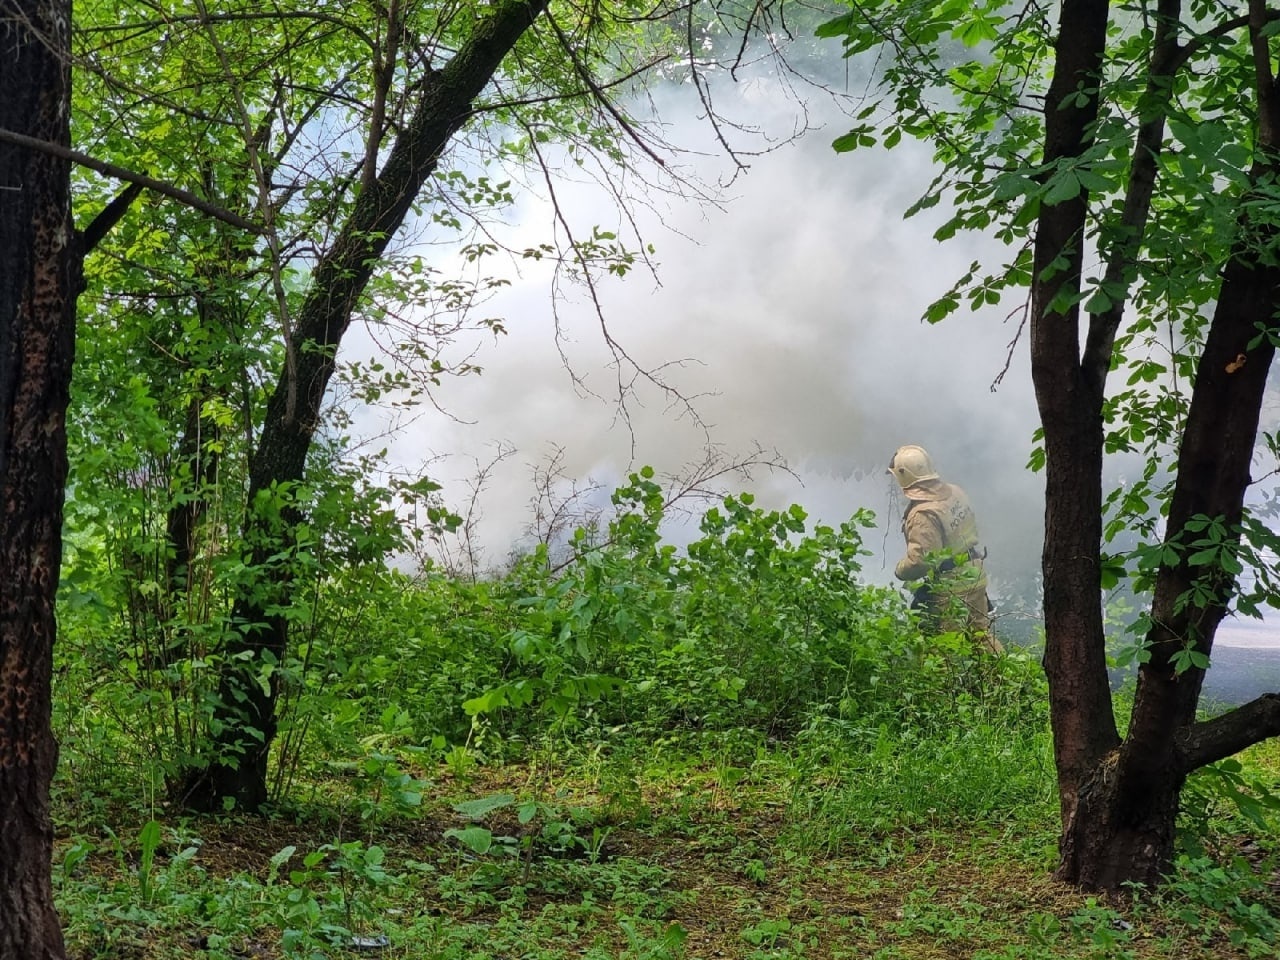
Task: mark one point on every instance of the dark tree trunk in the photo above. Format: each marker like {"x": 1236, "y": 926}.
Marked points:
{"x": 246, "y": 716}
{"x": 1069, "y": 396}
{"x": 1123, "y": 830}
{"x": 38, "y": 277}
{"x": 1120, "y": 799}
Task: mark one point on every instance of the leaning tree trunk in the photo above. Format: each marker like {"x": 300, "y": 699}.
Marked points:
{"x": 38, "y": 267}
{"x": 246, "y": 714}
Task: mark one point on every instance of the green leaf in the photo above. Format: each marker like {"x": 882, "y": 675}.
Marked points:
{"x": 476, "y": 839}
{"x": 1063, "y": 186}
{"x": 1098, "y": 303}
{"x": 1204, "y": 558}
{"x": 1187, "y": 659}
{"x": 476, "y": 809}
{"x": 837, "y": 27}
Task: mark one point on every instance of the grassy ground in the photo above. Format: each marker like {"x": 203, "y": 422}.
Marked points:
{"x": 762, "y": 851}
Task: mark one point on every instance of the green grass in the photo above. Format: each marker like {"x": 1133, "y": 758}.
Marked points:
{"x": 842, "y": 843}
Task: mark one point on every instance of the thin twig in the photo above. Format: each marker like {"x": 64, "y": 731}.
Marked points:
{"x": 585, "y": 76}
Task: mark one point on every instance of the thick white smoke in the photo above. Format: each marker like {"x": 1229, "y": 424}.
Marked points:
{"x": 797, "y": 306}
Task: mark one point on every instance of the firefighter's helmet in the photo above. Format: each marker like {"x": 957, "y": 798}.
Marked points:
{"x": 910, "y": 465}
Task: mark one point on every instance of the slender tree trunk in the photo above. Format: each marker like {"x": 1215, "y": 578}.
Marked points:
{"x": 197, "y": 460}
{"x": 38, "y": 277}
{"x": 1069, "y": 396}
{"x": 246, "y": 718}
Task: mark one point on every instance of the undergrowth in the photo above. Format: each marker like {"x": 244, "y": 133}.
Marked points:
{"x": 736, "y": 749}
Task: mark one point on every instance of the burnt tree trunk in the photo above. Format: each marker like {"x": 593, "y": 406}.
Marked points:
{"x": 246, "y": 717}
{"x": 38, "y": 277}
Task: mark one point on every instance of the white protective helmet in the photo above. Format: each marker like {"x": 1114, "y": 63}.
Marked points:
{"x": 910, "y": 465}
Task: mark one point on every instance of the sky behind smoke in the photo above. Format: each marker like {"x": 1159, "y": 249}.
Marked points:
{"x": 798, "y": 306}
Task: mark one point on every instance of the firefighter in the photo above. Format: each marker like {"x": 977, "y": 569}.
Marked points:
{"x": 944, "y": 554}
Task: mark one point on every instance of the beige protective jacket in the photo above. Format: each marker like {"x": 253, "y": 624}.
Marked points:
{"x": 939, "y": 518}
{"x": 940, "y": 523}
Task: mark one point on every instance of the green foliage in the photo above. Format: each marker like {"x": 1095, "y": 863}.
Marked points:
{"x": 1215, "y": 899}
{"x": 980, "y": 756}
{"x": 213, "y": 568}
{"x": 760, "y": 623}
{"x": 626, "y": 818}
{"x": 1226, "y": 788}
{"x": 755, "y": 623}
{"x": 142, "y": 636}
{"x": 969, "y": 80}
{"x": 541, "y": 829}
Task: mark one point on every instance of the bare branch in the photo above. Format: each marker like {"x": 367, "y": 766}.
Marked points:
{"x": 128, "y": 176}
{"x": 622, "y": 359}
{"x": 1212, "y": 740}
{"x": 585, "y": 76}
{"x": 1025, "y": 310}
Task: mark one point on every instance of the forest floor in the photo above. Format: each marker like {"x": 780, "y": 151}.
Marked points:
{"x": 596, "y": 859}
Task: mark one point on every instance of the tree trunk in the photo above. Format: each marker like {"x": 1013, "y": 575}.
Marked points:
{"x": 1069, "y": 396}
{"x": 1123, "y": 828}
{"x": 1119, "y": 827}
{"x": 38, "y": 277}
{"x": 246, "y": 715}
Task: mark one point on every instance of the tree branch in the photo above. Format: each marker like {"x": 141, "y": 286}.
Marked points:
{"x": 128, "y": 176}
{"x": 1212, "y": 740}
{"x": 274, "y": 15}
{"x": 585, "y": 76}
{"x": 100, "y": 225}
{"x": 384, "y": 72}
{"x": 1260, "y": 45}
{"x": 1123, "y": 252}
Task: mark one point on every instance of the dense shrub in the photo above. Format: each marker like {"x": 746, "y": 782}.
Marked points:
{"x": 759, "y": 624}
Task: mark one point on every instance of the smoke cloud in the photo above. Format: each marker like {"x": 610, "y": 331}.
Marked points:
{"x": 794, "y": 308}
{"x": 789, "y": 317}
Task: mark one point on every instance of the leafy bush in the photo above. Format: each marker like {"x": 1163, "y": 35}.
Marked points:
{"x": 755, "y": 624}
{"x": 759, "y": 624}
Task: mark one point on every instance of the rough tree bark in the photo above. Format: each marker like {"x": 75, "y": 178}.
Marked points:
{"x": 246, "y": 719}
{"x": 1119, "y": 798}
{"x": 38, "y": 277}
{"x": 1122, "y": 828}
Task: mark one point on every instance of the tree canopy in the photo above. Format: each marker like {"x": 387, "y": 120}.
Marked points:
{"x": 332, "y": 145}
